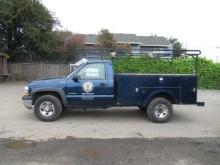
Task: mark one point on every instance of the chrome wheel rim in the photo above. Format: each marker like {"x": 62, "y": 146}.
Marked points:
{"x": 161, "y": 111}
{"x": 47, "y": 108}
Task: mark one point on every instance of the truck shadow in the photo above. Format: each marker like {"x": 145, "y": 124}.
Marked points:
{"x": 118, "y": 114}
{"x": 105, "y": 113}
{"x": 180, "y": 118}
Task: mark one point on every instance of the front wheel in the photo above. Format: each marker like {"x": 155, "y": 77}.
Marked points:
{"x": 159, "y": 110}
{"x": 48, "y": 108}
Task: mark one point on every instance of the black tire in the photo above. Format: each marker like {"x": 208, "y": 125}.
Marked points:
{"x": 57, "y": 108}
{"x": 142, "y": 108}
{"x": 165, "y": 112}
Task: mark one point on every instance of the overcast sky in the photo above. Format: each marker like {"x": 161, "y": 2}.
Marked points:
{"x": 196, "y": 23}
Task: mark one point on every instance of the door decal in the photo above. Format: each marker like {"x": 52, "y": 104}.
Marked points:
{"x": 88, "y": 86}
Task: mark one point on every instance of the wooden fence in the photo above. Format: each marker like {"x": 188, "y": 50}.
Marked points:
{"x": 33, "y": 71}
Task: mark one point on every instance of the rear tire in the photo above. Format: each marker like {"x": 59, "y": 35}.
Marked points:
{"x": 48, "y": 108}
{"x": 159, "y": 110}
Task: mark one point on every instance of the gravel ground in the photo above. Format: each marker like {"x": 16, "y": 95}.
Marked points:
{"x": 188, "y": 121}
{"x": 108, "y": 136}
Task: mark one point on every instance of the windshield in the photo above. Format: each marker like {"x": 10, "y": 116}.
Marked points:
{"x": 76, "y": 65}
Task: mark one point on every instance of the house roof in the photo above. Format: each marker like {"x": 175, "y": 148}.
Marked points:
{"x": 131, "y": 39}
{"x": 151, "y": 40}
{"x": 126, "y": 38}
{"x": 90, "y": 38}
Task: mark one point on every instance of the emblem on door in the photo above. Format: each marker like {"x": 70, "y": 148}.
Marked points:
{"x": 88, "y": 86}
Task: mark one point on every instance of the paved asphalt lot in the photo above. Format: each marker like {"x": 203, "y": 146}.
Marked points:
{"x": 172, "y": 151}
{"x": 120, "y": 135}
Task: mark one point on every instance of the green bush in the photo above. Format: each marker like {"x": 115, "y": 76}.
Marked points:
{"x": 209, "y": 72}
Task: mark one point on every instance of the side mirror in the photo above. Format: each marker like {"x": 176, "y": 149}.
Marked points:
{"x": 76, "y": 78}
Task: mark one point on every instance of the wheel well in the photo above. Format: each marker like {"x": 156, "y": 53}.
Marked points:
{"x": 39, "y": 94}
{"x": 163, "y": 95}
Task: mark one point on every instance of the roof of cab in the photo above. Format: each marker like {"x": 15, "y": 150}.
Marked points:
{"x": 99, "y": 61}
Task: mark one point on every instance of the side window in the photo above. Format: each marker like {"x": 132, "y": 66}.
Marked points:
{"x": 92, "y": 71}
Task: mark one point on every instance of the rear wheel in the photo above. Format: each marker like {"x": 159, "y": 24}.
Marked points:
{"x": 48, "y": 108}
{"x": 159, "y": 110}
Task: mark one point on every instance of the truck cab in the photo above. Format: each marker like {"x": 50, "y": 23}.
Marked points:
{"x": 93, "y": 84}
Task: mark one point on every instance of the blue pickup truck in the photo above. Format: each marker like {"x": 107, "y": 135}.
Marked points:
{"x": 93, "y": 84}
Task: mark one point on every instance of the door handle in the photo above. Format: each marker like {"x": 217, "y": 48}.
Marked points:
{"x": 102, "y": 84}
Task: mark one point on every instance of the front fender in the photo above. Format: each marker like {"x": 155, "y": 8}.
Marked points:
{"x": 48, "y": 89}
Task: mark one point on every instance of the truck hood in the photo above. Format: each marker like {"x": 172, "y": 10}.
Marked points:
{"x": 47, "y": 80}
{"x": 51, "y": 82}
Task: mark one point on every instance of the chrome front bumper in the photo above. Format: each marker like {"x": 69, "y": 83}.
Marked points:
{"x": 27, "y": 102}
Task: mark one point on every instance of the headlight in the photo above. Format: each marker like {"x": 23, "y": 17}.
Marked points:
{"x": 26, "y": 88}
{"x": 26, "y": 91}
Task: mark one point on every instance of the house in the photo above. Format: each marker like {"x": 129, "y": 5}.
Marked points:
{"x": 138, "y": 44}
{"x": 3, "y": 66}
{"x": 2, "y": 63}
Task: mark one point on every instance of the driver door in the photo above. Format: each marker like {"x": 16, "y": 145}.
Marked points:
{"x": 91, "y": 89}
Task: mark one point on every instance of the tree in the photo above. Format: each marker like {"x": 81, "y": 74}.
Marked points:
{"x": 106, "y": 39}
{"x": 67, "y": 43}
{"x": 176, "y": 44}
{"x": 26, "y": 29}
{"x": 123, "y": 46}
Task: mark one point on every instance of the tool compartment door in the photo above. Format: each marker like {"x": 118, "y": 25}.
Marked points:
{"x": 128, "y": 87}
